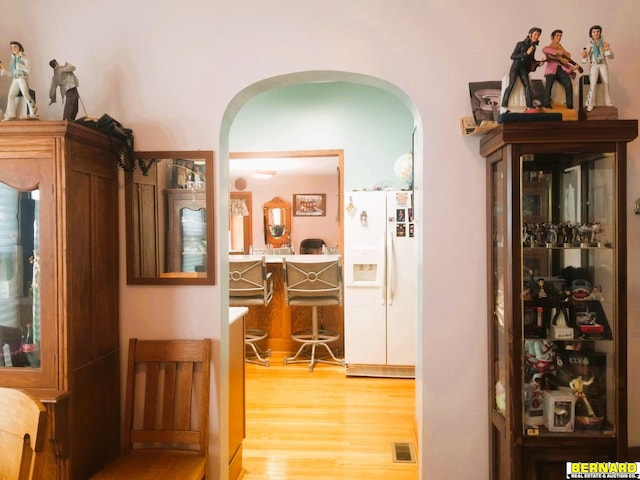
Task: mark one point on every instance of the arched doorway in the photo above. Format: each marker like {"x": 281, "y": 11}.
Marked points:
{"x": 235, "y": 108}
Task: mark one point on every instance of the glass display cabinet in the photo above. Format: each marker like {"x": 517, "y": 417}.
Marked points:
{"x": 187, "y": 231}
{"x": 556, "y": 310}
{"x": 59, "y": 287}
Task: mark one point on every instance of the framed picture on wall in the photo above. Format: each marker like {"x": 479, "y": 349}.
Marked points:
{"x": 309, "y": 205}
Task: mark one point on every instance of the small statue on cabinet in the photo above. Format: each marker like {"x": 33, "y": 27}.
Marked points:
{"x": 577, "y": 387}
{"x": 64, "y": 79}
{"x": 544, "y": 290}
{"x": 597, "y": 52}
{"x": 559, "y": 67}
{"x": 540, "y": 355}
{"x": 20, "y": 69}
{"x": 524, "y": 63}
{"x": 596, "y": 293}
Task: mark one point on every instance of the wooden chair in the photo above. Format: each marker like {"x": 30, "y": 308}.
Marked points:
{"x": 23, "y": 423}
{"x": 166, "y": 413}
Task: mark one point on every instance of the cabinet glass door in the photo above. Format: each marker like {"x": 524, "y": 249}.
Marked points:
{"x": 20, "y": 325}
{"x": 193, "y": 240}
{"x": 499, "y": 337}
{"x": 569, "y": 292}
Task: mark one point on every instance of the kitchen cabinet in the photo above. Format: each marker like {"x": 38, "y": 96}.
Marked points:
{"x": 237, "y": 320}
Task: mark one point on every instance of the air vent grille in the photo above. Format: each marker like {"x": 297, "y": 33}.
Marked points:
{"x": 402, "y": 452}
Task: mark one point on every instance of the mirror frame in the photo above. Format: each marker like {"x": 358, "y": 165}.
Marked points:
{"x": 276, "y": 203}
{"x": 147, "y": 158}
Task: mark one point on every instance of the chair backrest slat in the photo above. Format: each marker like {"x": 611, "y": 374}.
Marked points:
{"x": 183, "y": 395}
{"x": 168, "y": 412}
{"x": 151, "y": 395}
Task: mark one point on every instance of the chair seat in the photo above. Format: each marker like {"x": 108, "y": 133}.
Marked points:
{"x": 143, "y": 465}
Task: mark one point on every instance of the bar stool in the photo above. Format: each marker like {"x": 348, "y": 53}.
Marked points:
{"x": 249, "y": 285}
{"x": 313, "y": 283}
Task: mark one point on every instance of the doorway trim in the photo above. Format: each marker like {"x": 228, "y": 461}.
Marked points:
{"x": 232, "y": 110}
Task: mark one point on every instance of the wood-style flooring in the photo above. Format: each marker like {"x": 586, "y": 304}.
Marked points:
{"x": 324, "y": 425}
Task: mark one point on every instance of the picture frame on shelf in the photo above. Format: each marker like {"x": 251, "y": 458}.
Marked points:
{"x": 309, "y": 205}
{"x": 535, "y": 198}
{"x": 485, "y": 100}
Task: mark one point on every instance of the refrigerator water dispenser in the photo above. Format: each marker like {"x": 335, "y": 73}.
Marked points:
{"x": 365, "y": 272}
{"x": 365, "y": 267}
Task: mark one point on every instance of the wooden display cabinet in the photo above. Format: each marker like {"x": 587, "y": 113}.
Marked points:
{"x": 556, "y": 218}
{"x": 186, "y": 233}
{"x": 59, "y": 281}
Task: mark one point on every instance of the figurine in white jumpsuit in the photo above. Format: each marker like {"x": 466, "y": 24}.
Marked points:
{"x": 597, "y": 52}
{"x": 20, "y": 67}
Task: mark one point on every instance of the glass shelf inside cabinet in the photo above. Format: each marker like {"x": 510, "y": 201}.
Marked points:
{"x": 569, "y": 316}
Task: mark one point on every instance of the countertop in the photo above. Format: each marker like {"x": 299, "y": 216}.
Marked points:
{"x": 278, "y": 258}
{"x": 237, "y": 312}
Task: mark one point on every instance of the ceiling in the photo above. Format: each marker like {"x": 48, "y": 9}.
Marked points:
{"x": 242, "y": 167}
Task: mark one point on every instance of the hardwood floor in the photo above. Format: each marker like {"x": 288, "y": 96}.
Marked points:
{"x": 324, "y": 425}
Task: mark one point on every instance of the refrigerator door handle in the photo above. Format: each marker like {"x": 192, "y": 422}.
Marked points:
{"x": 383, "y": 285}
{"x": 390, "y": 264}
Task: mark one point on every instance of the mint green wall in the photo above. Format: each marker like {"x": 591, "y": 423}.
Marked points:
{"x": 372, "y": 127}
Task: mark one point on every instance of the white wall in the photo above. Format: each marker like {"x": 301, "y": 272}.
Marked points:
{"x": 169, "y": 69}
{"x": 372, "y": 127}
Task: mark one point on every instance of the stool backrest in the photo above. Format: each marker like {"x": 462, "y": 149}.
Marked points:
{"x": 249, "y": 282}
{"x": 313, "y": 282}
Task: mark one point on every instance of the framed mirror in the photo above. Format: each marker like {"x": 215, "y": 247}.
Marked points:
{"x": 169, "y": 219}
{"x": 277, "y": 223}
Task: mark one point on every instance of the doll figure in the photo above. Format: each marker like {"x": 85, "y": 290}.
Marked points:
{"x": 596, "y": 53}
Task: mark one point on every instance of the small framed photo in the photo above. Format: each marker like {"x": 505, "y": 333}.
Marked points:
{"x": 309, "y": 205}
{"x": 485, "y": 100}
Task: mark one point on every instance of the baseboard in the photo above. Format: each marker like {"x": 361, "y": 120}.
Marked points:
{"x": 634, "y": 454}
{"x": 392, "y": 371}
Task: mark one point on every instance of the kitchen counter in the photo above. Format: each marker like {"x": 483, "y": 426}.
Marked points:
{"x": 297, "y": 258}
{"x": 236, "y": 313}
{"x": 236, "y": 390}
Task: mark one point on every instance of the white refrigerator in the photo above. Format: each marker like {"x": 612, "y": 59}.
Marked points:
{"x": 380, "y": 284}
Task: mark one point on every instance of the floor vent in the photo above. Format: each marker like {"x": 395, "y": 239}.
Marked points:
{"x": 402, "y": 452}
